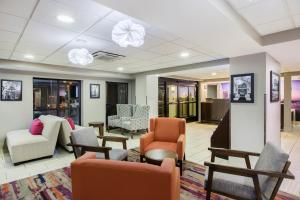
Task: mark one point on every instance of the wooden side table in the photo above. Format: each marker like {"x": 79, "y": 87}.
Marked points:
{"x": 100, "y": 126}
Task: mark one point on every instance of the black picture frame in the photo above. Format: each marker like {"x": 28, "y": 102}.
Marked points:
{"x": 95, "y": 91}
{"x": 242, "y": 92}
{"x": 274, "y": 86}
{"x": 14, "y": 92}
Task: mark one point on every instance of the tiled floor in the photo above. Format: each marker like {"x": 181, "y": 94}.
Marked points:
{"x": 198, "y": 140}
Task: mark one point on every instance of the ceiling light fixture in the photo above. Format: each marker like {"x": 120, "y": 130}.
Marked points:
{"x": 120, "y": 68}
{"x": 29, "y": 56}
{"x": 127, "y": 33}
{"x": 65, "y": 18}
{"x": 80, "y": 56}
{"x": 185, "y": 54}
{"x": 214, "y": 73}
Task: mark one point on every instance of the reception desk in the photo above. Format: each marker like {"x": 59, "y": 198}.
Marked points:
{"x": 213, "y": 110}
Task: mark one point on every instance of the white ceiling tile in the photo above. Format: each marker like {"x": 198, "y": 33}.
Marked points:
{"x": 84, "y": 15}
{"x": 191, "y": 54}
{"x": 184, "y": 43}
{"x": 4, "y": 54}
{"x": 238, "y": 4}
{"x": 144, "y": 55}
{"x": 18, "y": 55}
{"x": 7, "y": 45}
{"x": 7, "y": 36}
{"x": 151, "y": 41}
{"x": 297, "y": 20}
{"x": 274, "y": 27}
{"x": 264, "y": 12}
{"x": 163, "y": 34}
{"x": 19, "y": 8}
{"x": 167, "y": 48}
{"x": 294, "y": 6}
{"x": 39, "y": 35}
{"x": 102, "y": 30}
{"x": 11, "y": 23}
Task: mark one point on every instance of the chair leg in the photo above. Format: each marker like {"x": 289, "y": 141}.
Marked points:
{"x": 141, "y": 158}
{"x": 184, "y": 157}
{"x": 208, "y": 195}
{"x": 126, "y": 159}
{"x": 180, "y": 166}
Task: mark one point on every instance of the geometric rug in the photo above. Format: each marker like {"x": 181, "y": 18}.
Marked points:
{"x": 57, "y": 185}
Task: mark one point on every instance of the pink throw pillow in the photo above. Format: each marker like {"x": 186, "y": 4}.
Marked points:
{"x": 36, "y": 127}
{"x": 71, "y": 122}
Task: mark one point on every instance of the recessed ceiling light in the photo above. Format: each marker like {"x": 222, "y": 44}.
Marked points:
{"x": 214, "y": 73}
{"x": 65, "y": 18}
{"x": 29, "y": 56}
{"x": 120, "y": 68}
{"x": 184, "y": 54}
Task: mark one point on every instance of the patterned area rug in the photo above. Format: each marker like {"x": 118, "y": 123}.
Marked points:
{"x": 57, "y": 185}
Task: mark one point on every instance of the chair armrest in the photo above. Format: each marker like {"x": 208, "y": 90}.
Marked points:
{"x": 230, "y": 152}
{"x": 181, "y": 146}
{"x": 85, "y": 148}
{"x": 168, "y": 164}
{"x": 246, "y": 172}
{"x": 114, "y": 139}
{"x": 234, "y": 153}
{"x": 145, "y": 140}
{"x": 112, "y": 117}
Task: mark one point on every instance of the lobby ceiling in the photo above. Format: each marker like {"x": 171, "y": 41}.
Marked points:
{"x": 206, "y": 29}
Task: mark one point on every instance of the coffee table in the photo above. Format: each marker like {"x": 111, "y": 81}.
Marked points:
{"x": 156, "y": 156}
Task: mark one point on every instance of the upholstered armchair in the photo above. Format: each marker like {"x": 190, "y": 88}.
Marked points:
{"x": 165, "y": 133}
{"x": 123, "y": 110}
{"x": 85, "y": 140}
{"x": 114, "y": 180}
{"x": 262, "y": 182}
{"x": 139, "y": 120}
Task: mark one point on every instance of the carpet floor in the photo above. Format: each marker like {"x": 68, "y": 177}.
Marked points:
{"x": 57, "y": 185}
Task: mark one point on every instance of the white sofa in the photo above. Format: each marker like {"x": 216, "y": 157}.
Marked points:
{"x": 24, "y": 146}
{"x": 65, "y": 133}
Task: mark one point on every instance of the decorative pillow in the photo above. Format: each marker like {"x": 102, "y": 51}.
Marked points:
{"x": 71, "y": 122}
{"x": 36, "y": 127}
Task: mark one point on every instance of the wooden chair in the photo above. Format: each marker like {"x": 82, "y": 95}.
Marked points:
{"x": 84, "y": 140}
{"x": 262, "y": 182}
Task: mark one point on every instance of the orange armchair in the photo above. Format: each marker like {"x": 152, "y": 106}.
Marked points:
{"x": 165, "y": 133}
{"x": 113, "y": 180}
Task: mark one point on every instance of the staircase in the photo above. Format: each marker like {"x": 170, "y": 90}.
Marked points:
{"x": 221, "y": 136}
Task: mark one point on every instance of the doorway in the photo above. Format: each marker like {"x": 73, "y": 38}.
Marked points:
{"x": 116, "y": 93}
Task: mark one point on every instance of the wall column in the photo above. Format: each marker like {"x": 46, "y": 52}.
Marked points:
{"x": 253, "y": 124}
{"x": 287, "y": 102}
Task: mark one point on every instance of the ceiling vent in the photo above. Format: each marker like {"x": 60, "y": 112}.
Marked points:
{"x": 106, "y": 56}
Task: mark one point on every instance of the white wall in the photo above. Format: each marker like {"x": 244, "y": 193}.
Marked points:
{"x": 254, "y": 123}
{"x": 247, "y": 119}
{"x": 272, "y": 109}
{"x": 146, "y": 90}
{"x": 18, "y": 115}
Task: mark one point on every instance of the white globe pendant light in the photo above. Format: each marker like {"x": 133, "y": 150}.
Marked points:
{"x": 126, "y": 33}
{"x": 80, "y": 56}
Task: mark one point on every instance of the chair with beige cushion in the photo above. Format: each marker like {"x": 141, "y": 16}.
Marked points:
{"x": 24, "y": 146}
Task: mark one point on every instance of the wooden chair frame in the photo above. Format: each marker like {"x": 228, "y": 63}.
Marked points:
{"x": 101, "y": 149}
{"x": 246, "y": 172}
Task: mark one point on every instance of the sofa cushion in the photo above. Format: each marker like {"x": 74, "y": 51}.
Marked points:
{"x": 23, "y": 137}
{"x": 167, "y": 129}
{"x": 232, "y": 184}
{"x": 162, "y": 145}
{"x": 114, "y": 154}
{"x": 71, "y": 122}
{"x": 36, "y": 127}
{"x": 271, "y": 159}
{"x": 124, "y": 110}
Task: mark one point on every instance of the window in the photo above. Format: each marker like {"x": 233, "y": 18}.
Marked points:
{"x": 57, "y": 97}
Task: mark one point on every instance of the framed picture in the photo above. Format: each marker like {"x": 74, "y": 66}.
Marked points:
{"x": 94, "y": 91}
{"x": 274, "y": 86}
{"x": 242, "y": 88}
{"x": 11, "y": 90}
